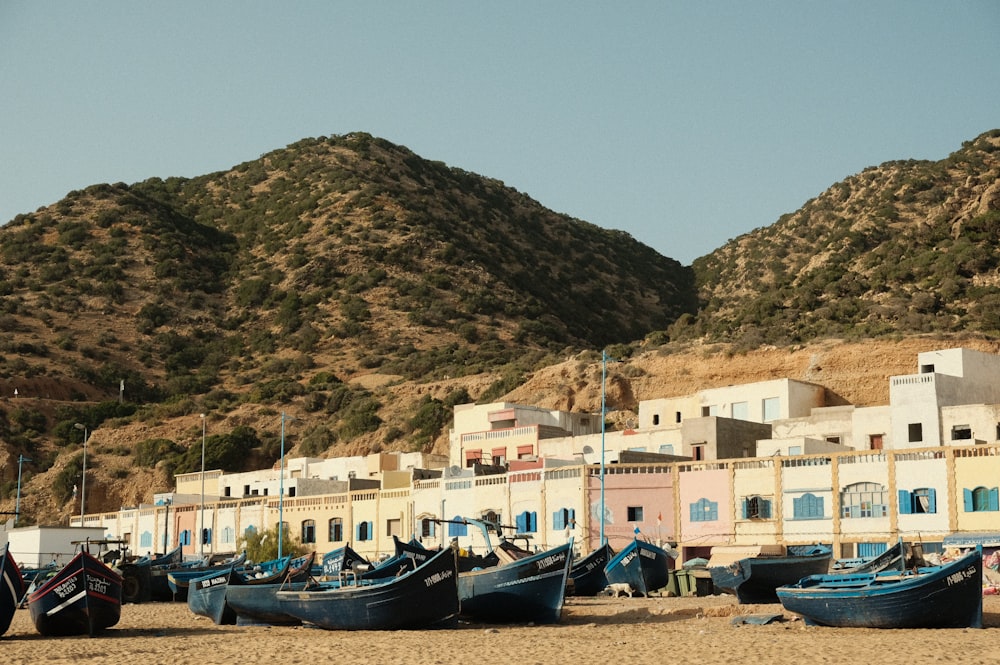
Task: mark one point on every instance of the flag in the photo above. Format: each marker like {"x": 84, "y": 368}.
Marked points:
{"x": 659, "y": 518}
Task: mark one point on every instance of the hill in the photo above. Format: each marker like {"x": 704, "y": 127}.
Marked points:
{"x": 363, "y": 291}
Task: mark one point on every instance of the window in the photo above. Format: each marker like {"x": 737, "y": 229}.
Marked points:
{"x": 741, "y": 410}
{"x": 771, "y": 408}
{"x": 635, "y": 513}
{"x": 923, "y": 500}
{"x": 563, "y": 518}
{"x": 961, "y": 433}
{"x": 916, "y": 432}
{"x": 698, "y": 451}
{"x": 146, "y": 539}
{"x": 499, "y": 456}
{"x": 927, "y": 369}
{"x": 246, "y": 490}
{"x": 833, "y": 439}
{"x": 291, "y": 491}
{"x": 667, "y": 449}
{"x": 309, "y": 531}
{"x": 393, "y": 528}
{"x": 981, "y": 499}
{"x": 283, "y": 526}
{"x": 707, "y": 411}
{"x": 656, "y": 419}
{"x": 457, "y": 528}
{"x": 875, "y": 441}
{"x": 807, "y": 507}
{"x": 869, "y": 550}
{"x": 249, "y": 532}
{"x": 228, "y": 535}
{"x": 524, "y": 452}
{"x": 863, "y": 500}
{"x": 227, "y": 491}
{"x": 206, "y": 536}
{"x": 527, "y": 522}
{"x": 335, "y": 529}
{"x": 704, "y": 510}
{"x": 794, "y": 450}
{"x": 756, "y": 508}
{"x": 185, "y": 537}
{"x": 364, "y": 531}
{"x": 677, "y": 418}
{"x": 428, "y": 527}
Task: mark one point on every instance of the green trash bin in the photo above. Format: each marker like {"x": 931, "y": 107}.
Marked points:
{"x": 685, "y": 583}
{"x": 671, "y": 588}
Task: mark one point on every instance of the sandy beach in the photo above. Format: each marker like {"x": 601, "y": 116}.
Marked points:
{"x": 592, "y": 631}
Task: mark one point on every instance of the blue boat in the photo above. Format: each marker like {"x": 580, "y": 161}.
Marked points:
{"x": 946, "y": 596}
{"x": 525, "y": 590}
{"x": 179, "y": 579}
{"x": 12, "y": 588}
{"x": 754, "y": 579}
{"x": 209, "y": 596}
{"x": 466, "y": 560}
{"x": 641, "y": 565}
{"x": 587, "y": 576}
{"x": 83, "y": 598}
{"x": 423, "y": 597}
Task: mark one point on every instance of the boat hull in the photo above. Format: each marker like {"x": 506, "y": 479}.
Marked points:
{"x": 587, "y": 575}
{"x": 257, "y": 604}
{"x": 527, "y": 590}
{"x": 207, "y": 597}
{"x": 421, "y": 598}
{"x": 12, "y": 588}
{"x": 755, "y": 579}
{"x": 948, "y": 596}
{"x": 83, "y": 598}
{"x": 641, "y": 565}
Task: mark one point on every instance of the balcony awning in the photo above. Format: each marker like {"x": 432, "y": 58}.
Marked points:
{"x": 972, "y": 538}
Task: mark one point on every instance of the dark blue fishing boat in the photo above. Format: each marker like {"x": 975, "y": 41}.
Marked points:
{"x": 754, "y": 579}
{"x": 208, "y": 596}
{"x": 12, "y": 588}
{"x": 525, "y": 590}
{"x": 250, "y": 600}
{"x": 420, "y": 598}
{"x": 83, "y": 598}
{"x": 587, "y": 576}
{"x": 145, "y": 578}
{"x": 641, "y": 565}
{"x": 946, "y": 596}
{"x": 466, "y": 560}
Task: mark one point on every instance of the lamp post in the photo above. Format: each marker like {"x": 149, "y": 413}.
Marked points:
{"x": 604, "y": 377}
{"x": 201, "y": 533}
{"x": 281, "y": 485}
{"x": 166, "y": 523}
{"x": 83, "y": 478}
{"x": 17, "y": 504}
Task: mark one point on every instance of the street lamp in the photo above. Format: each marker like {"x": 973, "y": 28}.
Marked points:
{"x": 202, "y": 531}
{"x": 17, "y": 504}
{"x": 604, "y": 376}
{"x": 281, "y": 485}
{"x": 83, "y": 478}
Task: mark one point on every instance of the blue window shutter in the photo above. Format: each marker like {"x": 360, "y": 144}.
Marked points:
{"x": 371, "y": 531}
{"x": 745, "y": 508}
{"x": 691, "y": 508}
{"x": 357, "y": 531}
{"x": 534, "y": 521}
{"x": 519, "y": 523}
{"x": 994, "y": 499}
{"x": 968, "y": 500}
{"x": 765, "y": 508}
{"x": 932, "y": 500}
{"x": 572, "y": 515}
{"x": 797, "y": 508}
{"x": 557, "y": 520}
{"x": 905, "y": 503}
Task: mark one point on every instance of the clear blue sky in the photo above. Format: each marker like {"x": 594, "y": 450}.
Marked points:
{"x": 685, "y": 124}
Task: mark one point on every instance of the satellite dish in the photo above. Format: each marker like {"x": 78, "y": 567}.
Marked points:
{"x": 454, "y": 471}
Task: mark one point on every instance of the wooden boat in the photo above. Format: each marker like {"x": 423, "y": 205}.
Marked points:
{"x": 900, "y": 556}
{"x": 179, "y": 579}
{"x": 587, "y": 576}
{"x": 530, "y": 589}
{"x": 466, "y": 560}
{"x": 642, "y": 565}
{"x": 12, "y": 588}
{"x": 752, "y": 574}
{"x": 422, "y": 597}
{"x": 209, "y": 596}
{"x": 84, "y": 597}
{"x": 145, "y": 578}
{"x": 946, "y": 596}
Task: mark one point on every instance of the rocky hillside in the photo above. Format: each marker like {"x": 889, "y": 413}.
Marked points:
{"x": 904, "y": 247}
{"x": 363, "y": 291}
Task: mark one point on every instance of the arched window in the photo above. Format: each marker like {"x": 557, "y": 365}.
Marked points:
{"x": 863, "y": 500}
{"x": 807, "y": 507}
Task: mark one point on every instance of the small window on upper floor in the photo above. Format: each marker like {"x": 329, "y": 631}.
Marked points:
{"x": 927, "y": 369}
{"x": 656, "y": 419}
{"x": 915, "y": 432}
{"x": 961, "y": 433}
{"x": 677, "y": 419}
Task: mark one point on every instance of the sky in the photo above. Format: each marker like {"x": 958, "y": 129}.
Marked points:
{"x": 685, "y": 124}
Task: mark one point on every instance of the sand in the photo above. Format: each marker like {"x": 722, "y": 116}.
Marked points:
{"x": 638, "y": 631}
